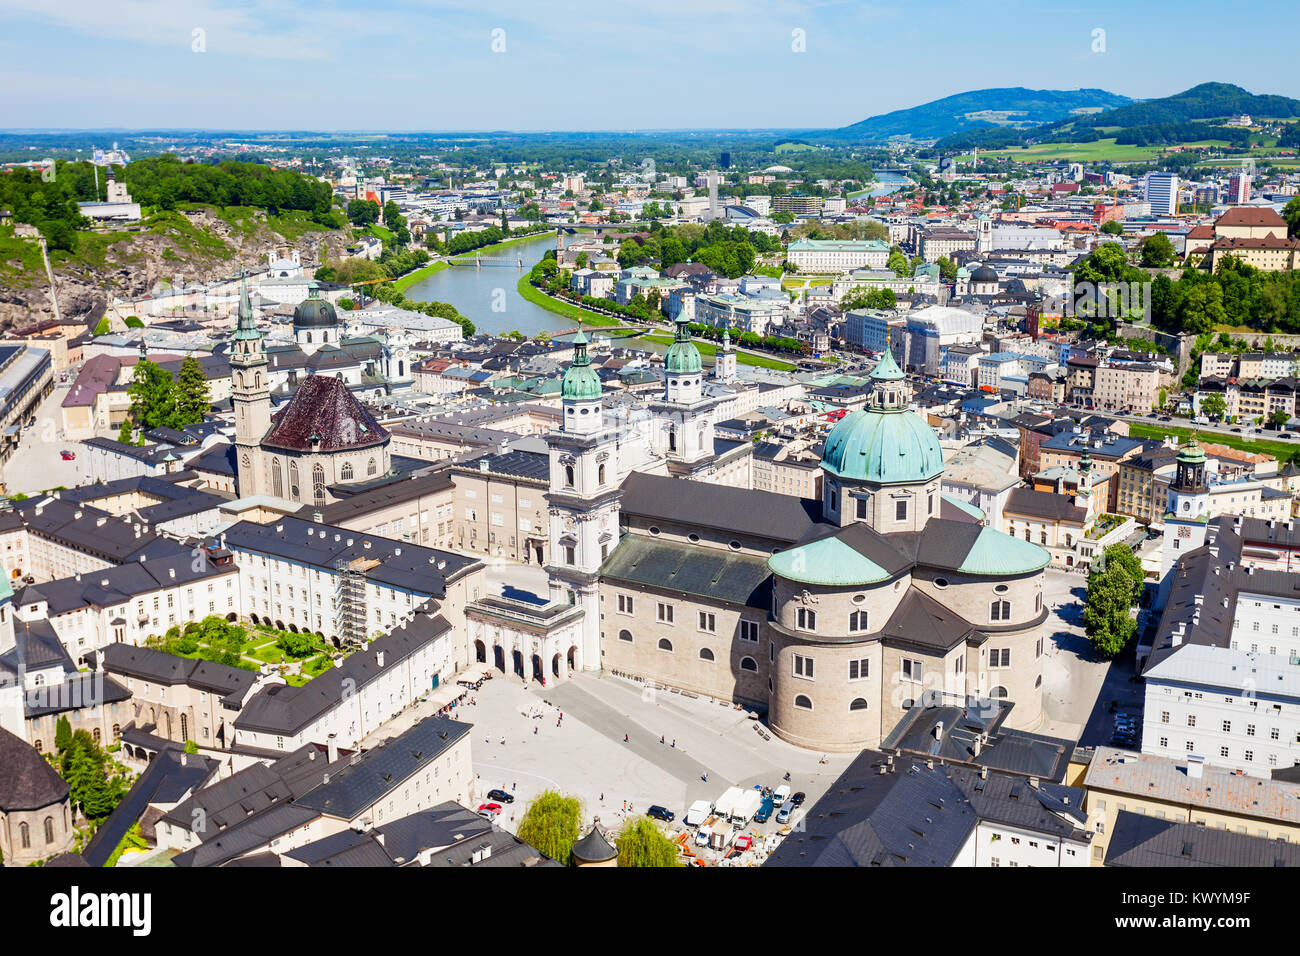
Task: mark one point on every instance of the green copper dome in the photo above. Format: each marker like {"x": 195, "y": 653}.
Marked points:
{"x": 828, "y": 562}
{"x": 683, "y": 357}
{"x": 581, "y": 383}
{"x": 883, "y": 446}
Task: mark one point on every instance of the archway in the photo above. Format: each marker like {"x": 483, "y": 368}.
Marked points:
{"x": 480, "y": 652}
{"x": 555, "y": 664}
{"x": 517, "y": 660}
{"x": 573, "y": 659}
{"x": 499, "y": 658}
{"x": 539, "y": 673}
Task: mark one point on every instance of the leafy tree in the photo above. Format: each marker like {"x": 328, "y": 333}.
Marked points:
{"x": 550, "y": 824}
{"x": 947, "y": 269}
{"x": 869, "y": 299}
{"x": 153, "y": 396}
{"x": 1202, "y": 308}
{"x": 1112, "y": 228}
{"x": 363, "y": 212}
{"x": 898, "y": 262}
{"x": 642, "y": 844}
{"x": 192, "y": 399}
{"x": 1279, "y": 418}
{"x": 191, "y": 747}
{"x": 1291, "y": 213}
{"x": 62, "y": 735}
{"x": 297, "y": 645}
{"x": 1106, "y": 618}
{"x": 1157, "y": 252}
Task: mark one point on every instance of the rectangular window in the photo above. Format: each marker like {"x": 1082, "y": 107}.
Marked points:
{"x": 749, "y": 631}
{"x": 913, "y": 670}
{"x": 707, "y": 622}
{"x": 859, "y": 669}
{"x": 665, "y": 613}
{"x": 1000, "y": 657}
{"x": 861, "y": 507}
{"x": 625, "y": 604}
{"x": 806, "y": 619}
{"x": 803, "y": 666}
{"x": 900, "y": 509}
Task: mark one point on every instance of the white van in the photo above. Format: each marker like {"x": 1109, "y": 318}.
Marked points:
{"x": 780, "y": 795}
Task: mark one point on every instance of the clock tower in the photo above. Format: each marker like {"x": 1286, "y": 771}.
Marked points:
{"x": 251, "y": 397}
{"x": 1187, "y": 514}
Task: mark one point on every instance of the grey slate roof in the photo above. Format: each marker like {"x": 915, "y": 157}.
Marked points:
{"x": 1042, "y": 504}
{"x": 1139, "y": 840}
{"x": 707, "y": 572}
{"x": 761, "y": 514}
{"x": 27, "y": 782}
{"x": 362, "y": 783}
{"x": 162, "y": 668}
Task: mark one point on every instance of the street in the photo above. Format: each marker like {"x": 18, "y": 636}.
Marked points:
{"x": 36, "y": 466}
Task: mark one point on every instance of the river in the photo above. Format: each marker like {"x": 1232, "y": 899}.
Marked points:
{"x": 488, "y": 296}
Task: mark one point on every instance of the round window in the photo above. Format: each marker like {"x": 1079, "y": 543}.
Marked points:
{"x": 693, "y": 538}
{"x": 941, "y": 583}
{"x": 1000, "y": 589}
{"x": 734, "y": 545}
{"x": 653, "y": 530}
{"x": 859, "y": 598}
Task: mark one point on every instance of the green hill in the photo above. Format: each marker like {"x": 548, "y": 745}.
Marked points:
{"x": 1008, "y": 107}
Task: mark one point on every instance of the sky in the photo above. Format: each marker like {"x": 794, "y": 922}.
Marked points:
{"x": 600, "y": 64}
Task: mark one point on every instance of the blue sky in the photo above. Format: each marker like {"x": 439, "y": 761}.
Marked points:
{"x": 599, "y": 64}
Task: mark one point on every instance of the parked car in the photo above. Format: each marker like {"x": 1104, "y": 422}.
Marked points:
{"x": 661, "y": 813}
{"x": 798, "y": 798}
{"x": 488, "y": 810}
{"x": 501, "y": 795}
{"x": 765, "y": 811}
{"x": 68, "y": 455}
{"x": 783, "y": 815}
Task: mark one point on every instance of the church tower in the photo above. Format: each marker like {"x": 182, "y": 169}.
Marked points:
{"x": 583, "y": 498}
{"x": 1188, "y": 513}
{"x": 724, "y": 368}
{"x": 685, "y": 414}
{"x": 251, "y": 396}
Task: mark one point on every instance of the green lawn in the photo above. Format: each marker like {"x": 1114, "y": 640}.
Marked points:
{"x": 744, "y": 358}
{"x": 1100, "y": 150}
{"x": 1281, "y": 450}
{"x": 566, "y": 309}
{"x": 408, "y": 280}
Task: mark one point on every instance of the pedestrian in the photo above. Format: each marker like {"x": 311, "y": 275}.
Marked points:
{"x": 674, "y": 743}
{"x": 514, "y": 786}
{"x": 661, "y": 738}
{"x": 602, "y": 796}
{"x": 625, "y": 738}
{"x": 534, "y": 730}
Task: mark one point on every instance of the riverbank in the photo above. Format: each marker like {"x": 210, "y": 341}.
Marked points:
{"x": 578, "y": 314}
{"x": 1283, "y": 451}
{"x": 743, "y": 358}
{"x": 512, "y": 241}
{"x": 402, "y": 283}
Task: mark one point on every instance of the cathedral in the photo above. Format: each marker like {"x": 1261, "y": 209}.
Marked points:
{"x": 832, "y": 617}
{"x": 323, "y": 437}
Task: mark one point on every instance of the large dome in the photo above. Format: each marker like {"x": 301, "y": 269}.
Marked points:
{"x": 314, "y": 312}
{"x": 883, "y": 446}
{"x": 580, "y": 382}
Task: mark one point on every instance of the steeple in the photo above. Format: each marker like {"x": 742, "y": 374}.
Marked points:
{"x": 581, "y": 391}
{"x": 890, "y": 392}
{"x": 247, "y": 326}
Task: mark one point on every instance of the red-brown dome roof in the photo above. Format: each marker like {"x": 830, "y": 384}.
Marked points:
{"x": 324, "y": 410}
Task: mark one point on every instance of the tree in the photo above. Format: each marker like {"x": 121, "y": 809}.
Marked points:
{"x": 297, "y": 645}
{"x": 1157, "y": 252}
{"x": 1279, "y": 418}
{"x": 1214, "y": 405}
{"x": 62, "y": 735}
{"x": 153, "y": 396}
{"x": 363, "y": 212}
{"x": 1291, "y": 213}
{"x": 1112, "y": 228}
{"x": 192, "y": 400}
{"x": 550, "y": 824}
{"x": 642, "y": 844}
{"x": 134, "y": 322}
{"x": 1111, "y": 592}
{"x": 947, "y": 269}
{"x": 191, "y": 747}
{"x": 1202, "y": 308}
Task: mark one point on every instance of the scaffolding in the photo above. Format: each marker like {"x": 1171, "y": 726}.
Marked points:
{"x": 350, "y": 600}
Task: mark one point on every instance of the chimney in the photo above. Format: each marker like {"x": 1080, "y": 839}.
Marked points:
{"x": 325, "y": 779}
{"x": 379, "y": 658}
{"x": 978, "y": 745}
{"x": 77, "y": 576}
{"x": 1176, "y": 637}
{"x": 938, "y": 730}
{"x": 984, "y": 771}
{"x": 332, "y": 747}
{"x": 1195, "y": 766}
{"x": 396, "y": 552}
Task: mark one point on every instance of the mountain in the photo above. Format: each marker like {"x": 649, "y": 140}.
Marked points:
{"x": 1013, "y": 107}
{"x": 1171, "y": 119}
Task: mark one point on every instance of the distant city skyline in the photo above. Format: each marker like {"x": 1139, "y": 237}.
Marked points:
{"x": 540, "y": 65}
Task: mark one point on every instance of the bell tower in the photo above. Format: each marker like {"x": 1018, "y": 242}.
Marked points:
{"x": 251, "y": 397}
{"x": 1188, "y": 512}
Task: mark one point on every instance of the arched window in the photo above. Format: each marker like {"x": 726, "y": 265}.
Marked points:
{"x": 748, "y": 664}
{"x": 318, "y": 484}
{"x": 1042, "y": 537}
{"x": 625, "y": 635}
{"x": 665, "y": 644}
{"x": 998, "y": 693}
{"x": 345, "y": 473}
{"x": 568, "y": 476}
{"x": 25, "y": 836}
{"x": 95, "y": 733}
{"x": 277, "y": 478}
{"x": 600, "y": 475}
{"x": 371, "y": 467}
{"x": 803, "y": 702}
{"x": 293, "y": 480}
{"x": 859, "y": 703}
{"x": 49, "y": 829}
{"x": 39, "y": 748}
{"x": 672, "y": 439}
{"x": 706, "y": 654}
{"x": 309, "y": 338}
{"x": 1000, "y": 611}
